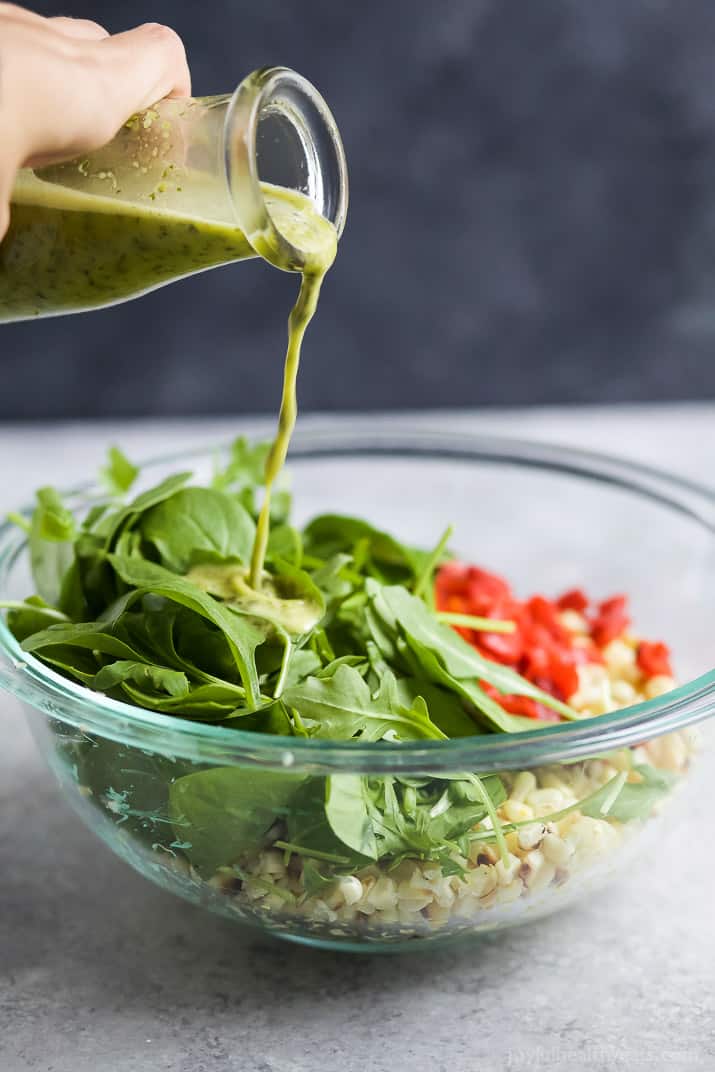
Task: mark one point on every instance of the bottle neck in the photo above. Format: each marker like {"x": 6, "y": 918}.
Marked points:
{"x": 279, "y": 132}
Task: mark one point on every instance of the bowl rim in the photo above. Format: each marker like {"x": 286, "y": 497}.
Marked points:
{"x": 46, "y": 690}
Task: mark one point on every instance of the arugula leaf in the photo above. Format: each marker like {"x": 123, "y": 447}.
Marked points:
{"x": 146, "y": 675}
{"x": 341, "y": 707}
{"x": 245, "y": 468}
{"x": 195, "y": 522}
{"x": 226, "y": 812}
{"x": 485, "y": 710}
{"x": 446, "y": 709}
{"x": 303, "y": 663}
{"x": 314, "y": 881}
{"x": 118, "y": 474}
{"x": 402, "y": 613}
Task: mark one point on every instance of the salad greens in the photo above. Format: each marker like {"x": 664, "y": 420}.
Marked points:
{"x": 148, "y": 600}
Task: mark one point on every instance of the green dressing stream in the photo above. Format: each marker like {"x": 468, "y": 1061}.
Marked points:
{"x": 68, "y": 251}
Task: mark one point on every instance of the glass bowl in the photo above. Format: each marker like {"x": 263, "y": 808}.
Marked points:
{"x": 549, "y": 519}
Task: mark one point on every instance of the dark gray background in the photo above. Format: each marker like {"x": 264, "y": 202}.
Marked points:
{"x": 532, "y": 217}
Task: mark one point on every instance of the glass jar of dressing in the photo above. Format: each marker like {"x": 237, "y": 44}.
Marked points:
{"x": 184, "y": 186}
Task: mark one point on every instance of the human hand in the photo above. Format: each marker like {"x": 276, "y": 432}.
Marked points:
{"x": 66, "y": 86}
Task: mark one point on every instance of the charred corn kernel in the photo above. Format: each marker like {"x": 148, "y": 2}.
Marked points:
{"x": 351, "y": 889}
{"x": 670, "y": 751}
{"x": 530, "y": 837}
{"x": 556, "y": 850}
{"x": 516, "y": 812}
{"x": 383, "y": 894}
{"x": 444, "y": 894}
{"x": 591, "y": 675}
{"x": 467, "y": 907}
{"x": 274, "y": 903}
{"x": 508, "y": 894}
{"x": 524, "y": 783}
{"x": 551, "y": 780}
{"x": 437, "y": 915}
{"x": 619, "y": 656}
{"x": 414, "y": 900}
{"x": 482, "y": 880}
{"x": 507, "y": 871}
{"x": 623, "y": 693}
{"x": 321, "y": 912}
{"x": 408, "y": 918}
{"x": 658, "y": 686}
{"x": 544, "y": 801}
{"x": 622, "y": 760}
{"x": 252, "y": 890}
{"x": 389, "y": 915}
{"x": 271, "y": 863}
{"x": 573, "y": 621}
{"x": 591, "y": 837}
{"x": 536, "y": 871}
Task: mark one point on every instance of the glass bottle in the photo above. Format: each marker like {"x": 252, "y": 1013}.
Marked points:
{"x": 184, "y": 186}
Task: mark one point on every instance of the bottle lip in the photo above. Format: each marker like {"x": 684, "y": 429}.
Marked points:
{"x": 280, "y": 91}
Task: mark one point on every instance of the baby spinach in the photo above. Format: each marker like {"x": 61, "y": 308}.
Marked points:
{"x": 119, "y": 473}
{"x": 224, "y": 812}
{"x": 194, "y": 523}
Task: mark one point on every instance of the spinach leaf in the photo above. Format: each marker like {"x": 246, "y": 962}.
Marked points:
{"x": 96, "y": 636}
{"x": 225, "y": 812}
{"x": 346, "y": 809}
{"x": 309, "y": 830}
{"x": 286, "y": 543}
{"x": 242, "y": 635}
{"x": 195, "y": 522}
{"x": 51, "y": 536}
{"x": 118, "y": 474}
{"x": 30, "y": 617}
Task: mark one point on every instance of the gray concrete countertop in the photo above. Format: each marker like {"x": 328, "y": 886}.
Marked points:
{"x": 99, "y": 969}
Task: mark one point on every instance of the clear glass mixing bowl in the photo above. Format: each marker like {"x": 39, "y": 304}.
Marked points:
{"x": 549, "y": 519}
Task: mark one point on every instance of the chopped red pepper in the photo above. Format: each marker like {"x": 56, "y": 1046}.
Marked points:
{"x": 540, "y": 648}
{"x": 611, "y": 620}
{"x": 574, "y": 599}
{"x": 653, "y": 658}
